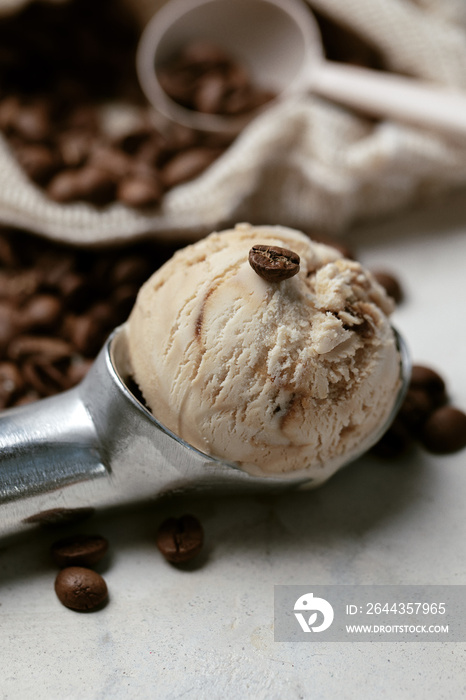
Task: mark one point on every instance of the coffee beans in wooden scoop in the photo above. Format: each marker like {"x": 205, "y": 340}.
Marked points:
{"x": 204, "y": 78}
{"x": 80, "y": 589}
{"x": 180, "y": 539}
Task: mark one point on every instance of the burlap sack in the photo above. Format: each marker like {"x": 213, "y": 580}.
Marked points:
{"x": 306, "y": 163}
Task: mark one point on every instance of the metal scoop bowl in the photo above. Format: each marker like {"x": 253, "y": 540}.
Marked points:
{"x": 279, "y": 43}
{"x": 97, "y": 446}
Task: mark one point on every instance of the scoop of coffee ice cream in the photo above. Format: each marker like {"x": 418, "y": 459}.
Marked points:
{"x": 277, "y": 375}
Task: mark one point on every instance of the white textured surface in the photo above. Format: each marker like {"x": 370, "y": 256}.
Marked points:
{"x": 207, "y": 633}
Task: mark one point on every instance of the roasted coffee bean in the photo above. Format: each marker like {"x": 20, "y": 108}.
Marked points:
{"x": 180, "y": 539}
{"x": 187, "y": 165}
{"x": 204, "y": 78}
{"x": 80, "y": 588}
{"x": 149, "y": 154}
{"x": 39, "y": 347}
{"x": 391, "y": 284}
{"x": 41, "y": 311}
{"x": 65, "y": 187}
{"x": 416, "y": 408}
{"x": 55, "y": 518}
{"x": 8, "y": 324}
{"x": 88, "y": 183}
{"x": 32, "y": 122}
{"x": 132, "y": 268}
{"x": 394, "y": 443}
{"x": 18, "y": 285}
{"x": 83, "y": 118}
{"x": 139, "y": 191}
{"x": 113, "y": 161}
{"x": 272, "y": 263}
{"x": 96, "y": 185}
{"x": 131, "y": 143}
{"x": 75, "y": 147}
{"x": 84, "y": 332}
{"x": 428, "y": 380}
{"x": 444, "y": 431}
{"x": 9, "y": 111}
{"x": 44, "y": 377}
{"x": 38, "y": 161}
{"x": 11, "y": 383}
{"x": 181, "y": 137}
{"x": 8, "y": 255}
{"x": 103, "y": 313}
{"x": 79, "y": 550}
{"x": 74, "y": 289}
{"x": 240, "y": 100}
{"x": 210, "y": 94}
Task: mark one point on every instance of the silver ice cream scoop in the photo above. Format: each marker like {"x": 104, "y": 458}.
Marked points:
{"x": 97, "y": 446}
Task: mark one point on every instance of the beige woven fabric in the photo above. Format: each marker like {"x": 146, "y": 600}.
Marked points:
{"x": 306, "y": 163}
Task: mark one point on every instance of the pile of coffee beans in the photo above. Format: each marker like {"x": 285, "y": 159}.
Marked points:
{"x": 426, "y": 418}
{"x": 58, "y": 306}
{"x": 51, "y": 94}
{"x": 79, "y": 587}
{"x": 204, "y": 78}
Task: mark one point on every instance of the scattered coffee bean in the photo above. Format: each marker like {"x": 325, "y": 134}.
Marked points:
{"x": 390, "y": 283}
{"x": 58, "y": 517}
{"x": 428, "y": 380}
{"x": 415, "y": 409}
{"x": 444, "y": 431}
{"x": 272, "y": 263}
{"x": 394, "y": 443}
{"x": 80, "y": 588}
{"x": 79, "y": 550}
{"x": 180, "y": 539}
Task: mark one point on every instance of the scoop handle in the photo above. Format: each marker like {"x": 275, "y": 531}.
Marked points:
{"x": 386, "y": 95}
{"x": 45, "y": 448}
